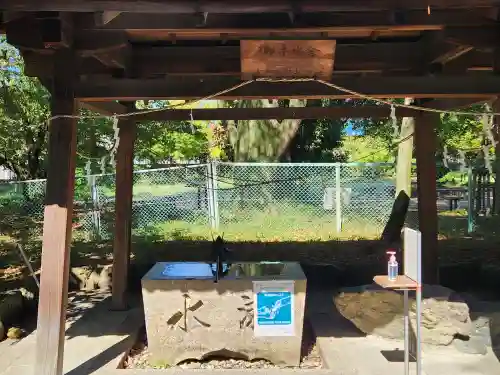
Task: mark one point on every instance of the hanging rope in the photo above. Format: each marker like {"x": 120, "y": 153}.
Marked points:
{"x": 353, "y": 93}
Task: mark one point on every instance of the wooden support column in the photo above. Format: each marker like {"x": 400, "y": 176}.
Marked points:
{"x": 425, "y": 142}
{"x": 123, "y": 210}
{"x": 57, "y": 220}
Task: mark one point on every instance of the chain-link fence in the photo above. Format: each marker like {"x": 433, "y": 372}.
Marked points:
{"x": 243, "y": 200}
{"x": 314, "y": 200}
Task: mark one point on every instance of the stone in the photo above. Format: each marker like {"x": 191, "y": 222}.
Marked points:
{"x": 194, "y": 319}
{"x": 11, "y": 306}
{"x": 88, "y": 279}
{"x": 81, "y": 275}
{"x": 380, "y": 312}
{"x": 15, "y": 333}
{"x": 472, "y": 345}
{"x": 482, "y": 330}
{"x": 490, "y": 332}
{"x": 104, "y": 281}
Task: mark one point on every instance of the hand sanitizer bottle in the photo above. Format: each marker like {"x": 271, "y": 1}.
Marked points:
{"x": 392, "y": 266}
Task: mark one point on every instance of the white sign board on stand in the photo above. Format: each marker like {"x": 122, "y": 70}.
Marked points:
{"x": 412, "y": 262}
{"x": 413, "y": 269}
{"x": 274, "y": 308}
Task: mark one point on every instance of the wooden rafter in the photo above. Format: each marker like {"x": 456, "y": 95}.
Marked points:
{"x": 225, "y": 60}
{"x": 229, "y": 6}
{"x": 482, "y": 37}
{"x": 104, "y": 108}
{"x": 103, "y": 18}
{"x": 325, "y": 21}
{"x": 295, "y": 113}
{"x": 379, "y": 86}
{"x": 299, "y": 113}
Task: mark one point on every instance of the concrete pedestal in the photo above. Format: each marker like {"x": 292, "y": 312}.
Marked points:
{"x": 188, "y": 316}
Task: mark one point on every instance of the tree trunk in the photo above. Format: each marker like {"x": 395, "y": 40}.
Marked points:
{"x": 405, "y": 153}
{"x": 261, "y": 140}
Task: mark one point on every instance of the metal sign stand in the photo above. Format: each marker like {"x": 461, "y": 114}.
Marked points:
{"x": 410, "y": 280}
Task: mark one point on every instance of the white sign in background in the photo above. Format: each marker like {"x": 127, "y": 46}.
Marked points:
{"x": 274, "y": 308}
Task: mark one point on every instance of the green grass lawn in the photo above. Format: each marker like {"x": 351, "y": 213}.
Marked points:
{"x": 145, "y": 189}
{"x": 287, "y": 221}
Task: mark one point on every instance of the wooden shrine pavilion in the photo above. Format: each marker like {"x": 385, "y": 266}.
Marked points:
{"x": 106, "y": 54}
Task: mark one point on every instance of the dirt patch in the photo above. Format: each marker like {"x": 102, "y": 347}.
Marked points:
{"x": 139, "y": 356}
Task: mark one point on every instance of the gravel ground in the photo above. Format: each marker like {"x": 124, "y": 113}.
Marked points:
{"x": 139, "y": 355}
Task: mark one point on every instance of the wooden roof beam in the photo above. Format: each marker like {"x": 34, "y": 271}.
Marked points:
{"x": 327, "y": 21}
{"x": 454, "y": 104}
{"x": 301, "y": 113}
{"x": 225, "y": 60}
{"x": 41, "y": 31}
{"x": 103, "y": 18}
{"x": 42, "y": 65}
{"x": 117, "y": 58}
{"x": 484, "y": 38}
{"x": 229, "y": 6}
{"x": 482, "y": 86}
{"x": 473, "y": 60}
{"x": 104, "y": 108}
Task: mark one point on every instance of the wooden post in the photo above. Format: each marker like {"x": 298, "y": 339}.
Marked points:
{"x": 57, "y": 221}
{"x": 425, "y": 141}
{"x": 123, "y": 210}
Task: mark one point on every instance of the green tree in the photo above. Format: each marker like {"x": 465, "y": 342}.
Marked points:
{"x": 262, "y": 140}
{"x": 366, "y": 149}
{"x": 318, "y": 140}
{"x": 158, "y": 141}
{"x": 23, "y": 113}
{"x": 24, "y": 110}
{"x": 461, "y": 132}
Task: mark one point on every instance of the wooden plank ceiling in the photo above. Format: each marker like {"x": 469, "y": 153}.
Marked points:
{"x": 157, "y": 48}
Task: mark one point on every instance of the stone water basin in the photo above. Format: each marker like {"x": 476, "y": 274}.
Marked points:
{"x": 189, "y": 316}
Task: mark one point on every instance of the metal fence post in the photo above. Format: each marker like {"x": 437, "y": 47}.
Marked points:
{"x": 96, "y": 213}
{"x": 213, "y": 206}
{"x": 215, "y": 186}
{"x": 338, "y": 203}
{"x": 470, "y": 198}
{"x": 210, "y": 207}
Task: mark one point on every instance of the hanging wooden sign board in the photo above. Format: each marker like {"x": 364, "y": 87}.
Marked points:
{"x": 287, "y": 58}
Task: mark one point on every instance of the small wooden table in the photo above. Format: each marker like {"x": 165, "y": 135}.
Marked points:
{"x": 402, "y": 282}
{"x": 405, "y": 284}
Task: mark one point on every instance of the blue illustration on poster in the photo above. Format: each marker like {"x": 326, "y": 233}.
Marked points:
{"x": 274, "y": 308}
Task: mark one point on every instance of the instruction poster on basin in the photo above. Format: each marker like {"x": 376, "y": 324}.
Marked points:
{"x": 274, "y": 308}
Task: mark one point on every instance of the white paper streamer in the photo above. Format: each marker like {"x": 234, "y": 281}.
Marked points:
{"x": 103, "y": 165}
{"x": 192, "y": 121}
{"x": 461, "y": 160}
{"x": 446, "y": 157}
{"x": 487, "y": 128}
{"x": 116, "y": 142}
{"x": 487, "y": 160}
{"x": 395, "y": 127}
{"x": 88, "y": 167}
